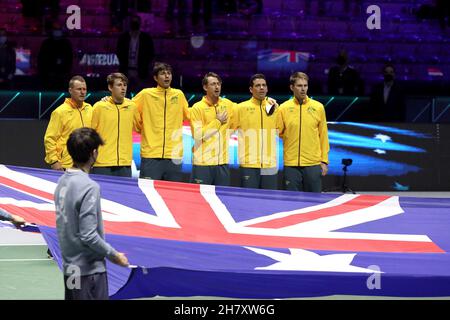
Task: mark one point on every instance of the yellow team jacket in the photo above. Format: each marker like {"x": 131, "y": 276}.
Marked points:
{"x": 160, "y": 121}
{"x": 114, "y": 123}
{"x": 210, "y": 136}
{"x": 304, "y": 132}
{"x": 64, "y": 119}
{"x": 257, "y": 132}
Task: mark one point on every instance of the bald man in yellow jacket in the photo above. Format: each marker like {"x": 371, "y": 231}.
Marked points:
{"x": 113, "y": 120}
{"x": 74, "y": 113}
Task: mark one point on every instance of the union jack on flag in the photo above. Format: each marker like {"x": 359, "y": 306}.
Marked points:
{"x": 198, "y": 240}
{"x": 435, "y": 72}
{"x": 276, "y": 59}
{"x": 289, "y": 56}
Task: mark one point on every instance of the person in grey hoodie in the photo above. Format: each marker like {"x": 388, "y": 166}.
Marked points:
{"x": 79, "y": 223}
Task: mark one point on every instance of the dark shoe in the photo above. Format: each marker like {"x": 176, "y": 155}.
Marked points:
{"x": 49, "y": 254}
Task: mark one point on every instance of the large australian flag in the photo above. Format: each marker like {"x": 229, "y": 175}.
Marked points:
{"x": 198, "y": 240}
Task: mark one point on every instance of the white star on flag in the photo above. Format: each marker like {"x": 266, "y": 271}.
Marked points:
{"x": 382, "y": 137}
{"x": 304, "y": 260}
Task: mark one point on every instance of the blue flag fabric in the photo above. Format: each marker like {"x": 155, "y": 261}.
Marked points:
{"x": 196, "y": 240}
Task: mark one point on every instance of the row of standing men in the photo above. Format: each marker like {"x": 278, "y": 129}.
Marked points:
{"x": 158, "y": 114}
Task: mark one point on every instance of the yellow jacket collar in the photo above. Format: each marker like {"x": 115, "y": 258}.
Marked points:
{"x": 161, "y": 89}
{"x": 258, "y": 102}
{"x": 304, "y": 101}
{"x": 72, "y": 103}
{"x": 209, "y": 103}
{"x": 111, "y": 100}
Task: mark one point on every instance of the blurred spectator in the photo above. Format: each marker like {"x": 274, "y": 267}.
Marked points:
{"x": 31, "y": 8}
{"x": 7, "y": 61}
{"x": 135, "y": 51}
{"x": 440, "y": 10}
{"x": 426, "y": 11}
{"x": 176, "y": 14}
{"x": 144, "y": 6}
{"x": 443, "y": 12}
{"x": 387, "y": 101}
{"x": 343, "y": 79}
{"x": 55, "y": 60}
{"x": 51, "y": 10}
{"x": 250, "y": 7}
{"x": 356, "y": 9}
{"x": 201, "y": 8}
{"x": 227, "y": 6}
{"x": 41, "y": 13}
{"x": 321, "y": 7}
{"x": 326, "y": 8}
{"x": 119, "y": 11}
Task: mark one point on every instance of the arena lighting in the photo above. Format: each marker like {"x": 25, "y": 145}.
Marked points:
{"x": 197, "y": 41}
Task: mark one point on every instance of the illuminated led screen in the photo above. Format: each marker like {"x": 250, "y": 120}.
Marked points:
{"x": 398, "y": 158}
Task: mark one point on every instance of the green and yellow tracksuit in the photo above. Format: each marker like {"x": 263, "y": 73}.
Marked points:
{"x": 304, "y": 132}
{"x": 64, "y": 119}
{"x": 114, "y": 123}
{"x": 257, "y": 131}
{"x": 160, "y": 121}
{"x": 211, "y": 137}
